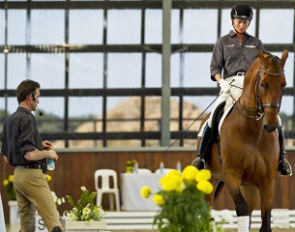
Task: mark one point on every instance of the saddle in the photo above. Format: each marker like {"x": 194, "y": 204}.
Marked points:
{"x": 216, "y": 119}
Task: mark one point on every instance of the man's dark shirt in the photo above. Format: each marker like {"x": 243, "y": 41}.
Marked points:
{"x": 19, "y": 136}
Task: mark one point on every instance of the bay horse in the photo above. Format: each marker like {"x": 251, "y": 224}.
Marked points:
{"x": 246, "y": 155}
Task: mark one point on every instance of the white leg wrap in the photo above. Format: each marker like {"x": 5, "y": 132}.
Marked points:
{"x": 243, "y": 224}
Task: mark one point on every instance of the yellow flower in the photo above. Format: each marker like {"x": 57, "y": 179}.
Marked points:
{"x": 145, "y": 192}
{"x": 86, "y": 211}
{"x": 180, "y": 188}
{"x": 174, "y": 172}
{"x": 189, "y": 174}
{"x": 205, "y": 187}
{"x": 175, "y": 175}
{"x": 10, "y": 178}
{"x": 5, "y": 182}
{"x": 72, "y": 217}
{"x": 83, "y": 188}
{"x": 48, "y": 177}
{"x": 203, "y": 175}
{"x": 158, "y": 199}
{"x": 170, "y": 182}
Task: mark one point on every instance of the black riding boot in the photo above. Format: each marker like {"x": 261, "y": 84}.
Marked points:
{"x": 284, "y": 167}
{"x": 56, "y": 229}
{"x": 203, "y": 149}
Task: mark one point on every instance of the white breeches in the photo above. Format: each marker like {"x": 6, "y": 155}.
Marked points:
{"x": 230, "y": 98}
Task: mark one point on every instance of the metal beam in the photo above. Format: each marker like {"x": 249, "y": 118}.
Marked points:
{"x": 166, "y": 60}
{"x": 176, "y": 4}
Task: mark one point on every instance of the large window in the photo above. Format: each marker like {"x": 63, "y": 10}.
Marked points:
{"x": 100, "y": 65}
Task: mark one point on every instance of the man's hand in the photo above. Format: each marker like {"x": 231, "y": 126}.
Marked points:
{"x": 225, "y": 87}
{"x": 46, "y": 144}
{"x": 52, "y": 155}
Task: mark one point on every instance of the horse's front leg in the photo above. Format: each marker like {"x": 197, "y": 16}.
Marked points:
{"x": 242, "y": 210}
{"x": 266, "y": 196}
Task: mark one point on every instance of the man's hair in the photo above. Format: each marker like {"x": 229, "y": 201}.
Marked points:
{"x": 26, "y": 88}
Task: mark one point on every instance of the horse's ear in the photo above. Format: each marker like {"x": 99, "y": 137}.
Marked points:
{"x": 262, "y": 58}
{"x": 284, "y": 57}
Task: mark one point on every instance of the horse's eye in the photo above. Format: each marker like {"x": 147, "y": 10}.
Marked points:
{"x": 264, "y": 86}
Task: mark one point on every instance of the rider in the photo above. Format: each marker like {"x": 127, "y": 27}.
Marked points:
{"x": 234, "y": 53}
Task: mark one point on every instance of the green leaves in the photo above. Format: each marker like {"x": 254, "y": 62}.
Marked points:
{"x": 84, "y": 209}
{"x": 70, "y": 200}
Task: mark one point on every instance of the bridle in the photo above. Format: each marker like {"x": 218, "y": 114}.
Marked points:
{"x": 261, "y": 106}
{"x": 258, "y": 113}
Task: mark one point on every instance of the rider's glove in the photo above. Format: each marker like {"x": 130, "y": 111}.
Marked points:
{"x": 225, "y": 87}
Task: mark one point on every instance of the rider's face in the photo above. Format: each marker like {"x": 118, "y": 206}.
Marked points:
{"x": 241, "y": 25}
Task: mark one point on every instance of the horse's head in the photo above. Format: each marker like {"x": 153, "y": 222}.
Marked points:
{"x": 269, "y": 87}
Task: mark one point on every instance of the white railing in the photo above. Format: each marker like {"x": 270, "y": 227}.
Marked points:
{"x": 128, "y": 220}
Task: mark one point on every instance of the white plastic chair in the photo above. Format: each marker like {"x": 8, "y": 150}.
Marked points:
{"x": 144, "y": 171}
{"x": 102, "y": 181}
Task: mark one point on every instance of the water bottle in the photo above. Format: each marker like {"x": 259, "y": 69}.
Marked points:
{"x": 162, "y": 167}
{"x": 50, "y": 162}
{"x": 135, "y": 167}
{"x": 178, "y": 166}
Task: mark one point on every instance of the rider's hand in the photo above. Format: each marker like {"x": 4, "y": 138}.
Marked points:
{"x": 225, "y": 87}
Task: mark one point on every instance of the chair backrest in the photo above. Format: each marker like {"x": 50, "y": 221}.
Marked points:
{"x": 103, "y": 179}
{"x": 144, "y": 171}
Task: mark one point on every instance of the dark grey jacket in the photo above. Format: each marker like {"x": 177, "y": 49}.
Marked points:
{"x": 231, "y": 57}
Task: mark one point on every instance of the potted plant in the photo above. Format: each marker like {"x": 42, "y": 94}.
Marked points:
{"x": 183, "y": 207}
{"x": 84, "y": 214}
{"x": 8, "y": 183}
{"x": 12, "y": 203}
{"x": 130, "y": 166}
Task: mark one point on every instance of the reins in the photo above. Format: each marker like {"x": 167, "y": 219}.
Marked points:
{"x": 255, "y": 114}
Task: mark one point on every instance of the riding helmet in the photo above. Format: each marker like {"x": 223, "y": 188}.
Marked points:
{"x": 241, "y": 11}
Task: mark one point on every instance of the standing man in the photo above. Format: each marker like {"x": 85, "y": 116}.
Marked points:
{"x": 23, "y": 148}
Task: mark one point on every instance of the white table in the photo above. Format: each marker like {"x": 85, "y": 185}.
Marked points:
{"x": 130, "y": 191}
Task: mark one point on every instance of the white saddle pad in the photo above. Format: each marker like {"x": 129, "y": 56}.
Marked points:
{"x": 226, "y": 112}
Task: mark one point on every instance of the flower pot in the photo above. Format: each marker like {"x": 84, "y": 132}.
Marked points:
{"x": 13, "y": 213}
{"x": 83, "y": 226}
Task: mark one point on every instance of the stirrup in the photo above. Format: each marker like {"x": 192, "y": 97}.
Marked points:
{"x": 56, "y": 229}
{"x": 199, "y": 163}
{"x": 284, "y": 168}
